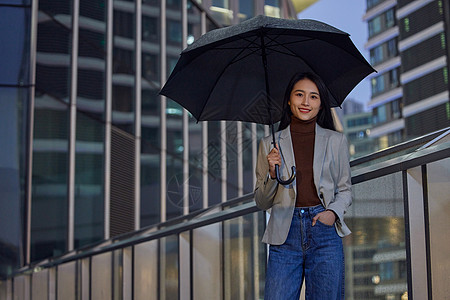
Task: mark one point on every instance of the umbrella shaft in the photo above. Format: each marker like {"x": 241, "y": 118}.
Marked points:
{"x": 266, "y": 78}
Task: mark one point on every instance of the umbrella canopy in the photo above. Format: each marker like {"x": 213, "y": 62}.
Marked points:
{"x": 241, "y": 72}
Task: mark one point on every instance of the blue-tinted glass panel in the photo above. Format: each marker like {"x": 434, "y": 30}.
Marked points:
{"x": 195, "y": 165}
{"x": 123, "y": 95}
{"x": 151, "y": 115}
{"x": 196, "y": 146}
{"x": 90, "y": 129}
{"x": 51, "y": 130}
{"x": 382, "y": 22}
{"x": 54, "y": 49}
{"x": 150, "y": 28}
{"x": 373, "y": 3}
{"x": 15, "y": 41}
{"x": 89, "y": 176}
{"x": 15, "y": 2}
{"x": 150, "y": 158}
{"x": 92, "y": 9}
{"x": 174, "y": 114}
{"x": 221, "y": 12}
{"x": 150, "y": 185}
{"x": 174, "y": 163}
{"x": 50, "y": 168}
{"x": 13, "y": 129}
{"x": 272, "y": 8}
{"x": 246, "y": 9}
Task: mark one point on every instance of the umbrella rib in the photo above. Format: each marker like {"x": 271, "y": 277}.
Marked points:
{"x": 256, "y": 48}
{"x": 290, "y": 52}
{"x": 288, "y": 43}
{"x": 249, "y": 46}
{"x": 243, "y": 57}
{"x": 220, "y": 75}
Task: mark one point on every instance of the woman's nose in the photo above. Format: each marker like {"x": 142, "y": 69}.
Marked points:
{"x": 305, "y": 101}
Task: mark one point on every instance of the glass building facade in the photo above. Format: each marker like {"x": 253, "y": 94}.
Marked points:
{"x": 91, "y": 151}
{"x": 408, "y": 44}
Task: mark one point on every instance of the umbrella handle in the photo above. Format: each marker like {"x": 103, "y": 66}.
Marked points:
{"x": 285, "y": 182}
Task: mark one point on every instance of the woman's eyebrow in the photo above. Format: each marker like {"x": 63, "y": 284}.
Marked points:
{"x": 316, "y": 93}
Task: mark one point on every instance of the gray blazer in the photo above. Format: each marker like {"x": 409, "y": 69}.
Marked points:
{"x": 332, "y": 179}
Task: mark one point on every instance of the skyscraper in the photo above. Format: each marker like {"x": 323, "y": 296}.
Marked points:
{"x": 408, "y": 43}
{"x": 93, "y": 151}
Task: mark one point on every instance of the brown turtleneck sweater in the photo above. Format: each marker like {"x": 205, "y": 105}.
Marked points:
{"x": 303, "y": 134}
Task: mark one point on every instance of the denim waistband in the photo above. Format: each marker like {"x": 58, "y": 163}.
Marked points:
{"x": 310, "y": 210}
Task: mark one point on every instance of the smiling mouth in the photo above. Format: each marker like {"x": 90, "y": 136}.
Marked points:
{"x": 304, "y": 110}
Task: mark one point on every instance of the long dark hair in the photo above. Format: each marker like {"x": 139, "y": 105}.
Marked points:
{"x": 324, "y": 118}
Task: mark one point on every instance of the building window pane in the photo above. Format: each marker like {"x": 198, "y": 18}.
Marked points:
{"x": 14, "y": 58}
{"x": 382, "y": 22}
{"x": 13, "y": 134}
{"x": 50, "y": 169}
{"x": 89, "y": 174}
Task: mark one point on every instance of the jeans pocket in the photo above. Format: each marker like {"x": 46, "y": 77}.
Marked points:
{"x": 324, "y": 225}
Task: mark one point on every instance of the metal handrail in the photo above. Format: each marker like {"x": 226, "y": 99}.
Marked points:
{"x": 210, "y": 216}
{"x": 185, "y": 223}
{"x": 397, "y": 148}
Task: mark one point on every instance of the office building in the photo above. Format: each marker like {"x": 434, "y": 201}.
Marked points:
{"x": 356, "y": 125}
{"x": 408, "y": 44}
{"x": 93, "y": 151}
{"x": 357, "y": 129}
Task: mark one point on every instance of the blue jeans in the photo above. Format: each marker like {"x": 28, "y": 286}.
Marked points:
{"x": 311, "y": 252}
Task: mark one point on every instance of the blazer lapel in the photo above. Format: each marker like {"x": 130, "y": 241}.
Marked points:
{"x": 320, "y": 146}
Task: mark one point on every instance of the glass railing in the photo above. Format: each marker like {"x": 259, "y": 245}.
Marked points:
{"x": 216, "y": 253}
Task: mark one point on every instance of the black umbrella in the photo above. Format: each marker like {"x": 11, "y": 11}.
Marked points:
{"x": 240, "y": 72}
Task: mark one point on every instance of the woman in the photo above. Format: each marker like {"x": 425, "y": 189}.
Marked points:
{"x": 307, "y": 216}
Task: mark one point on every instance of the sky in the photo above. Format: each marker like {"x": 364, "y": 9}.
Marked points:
{"x": 345, "y": 15}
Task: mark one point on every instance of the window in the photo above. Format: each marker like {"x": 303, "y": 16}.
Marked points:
{"x": 392, "y": 48}
{"x": 395, "y": 137}
{"x": 358, "y": 122}
{"x": 373, "y": 3}
{"x": 424, "y": 52}
{"x": 385, "y": 82}
{"x": 382, "y": 22}
{"x": 395, "y": 109}
{"x": 383, "y": 52}
{"x": 425, "y": 86}
{"x": 379, "y": 114}
{"x": 376, "y": 55}
{"x": 149, "y": 29}
{"x": 123, "y": 24}
{"x": 421, "y": 19}
{"x": 174, "y": 32}
{"x": 393, "y": 78}
{"x": 387, "y": 112}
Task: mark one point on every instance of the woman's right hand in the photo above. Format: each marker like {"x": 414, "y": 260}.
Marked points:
{"x": 273, "y": 158}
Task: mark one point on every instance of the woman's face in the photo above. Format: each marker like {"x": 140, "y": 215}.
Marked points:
{"x": 305, "y": 100}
